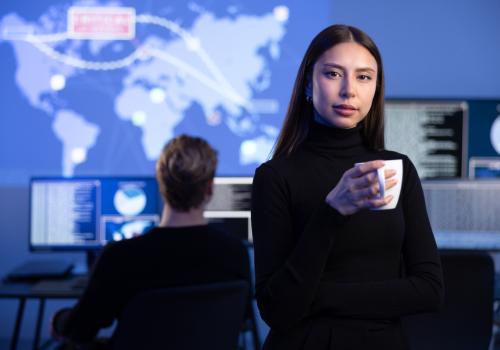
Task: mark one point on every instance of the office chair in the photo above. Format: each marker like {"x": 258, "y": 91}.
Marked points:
{"x": 465, "y": 322}
{"x": 192, "y": 317}
{"x": 250, "y": 326}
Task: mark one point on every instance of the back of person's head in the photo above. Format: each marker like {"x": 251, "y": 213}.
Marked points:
{"x": 185, "y": 172}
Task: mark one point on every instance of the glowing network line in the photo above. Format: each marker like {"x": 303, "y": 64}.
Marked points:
{"x": 83, "y": 64}
{"x": 198, "y": 75}
{"x": 221, "y": 85}
{"x": 45, "y": 38}
{"x": 192, "y": 43}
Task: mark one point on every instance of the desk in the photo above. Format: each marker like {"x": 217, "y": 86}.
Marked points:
{"x": 51, "y": 289}
{"x": 64, "y": 289}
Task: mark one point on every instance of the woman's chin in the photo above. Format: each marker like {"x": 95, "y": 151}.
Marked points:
{"x": 342, "y": 122}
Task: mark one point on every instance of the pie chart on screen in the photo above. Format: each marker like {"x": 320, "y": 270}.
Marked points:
{"x": 495, "y": 134}
{"x": 130, "y": 200}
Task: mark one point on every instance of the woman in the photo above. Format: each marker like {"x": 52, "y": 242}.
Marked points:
{"x": 330, "y": 272}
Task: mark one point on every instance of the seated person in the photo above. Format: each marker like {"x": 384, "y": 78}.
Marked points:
{"x": 183, "y": 250}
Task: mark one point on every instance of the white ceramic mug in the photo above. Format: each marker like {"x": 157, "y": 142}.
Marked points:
{"x": 394, "y": 164}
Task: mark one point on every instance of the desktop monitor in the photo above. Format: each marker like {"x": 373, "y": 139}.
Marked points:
{"x": 464, "y": 213}
{"x": 229, "y": 209}
{"x": 432, "y": 133}
{"x": 484, "y": 168}
{"x": 86, "y": 213}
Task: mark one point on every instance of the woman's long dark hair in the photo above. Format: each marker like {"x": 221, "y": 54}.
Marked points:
{"x": 300, "y": 112}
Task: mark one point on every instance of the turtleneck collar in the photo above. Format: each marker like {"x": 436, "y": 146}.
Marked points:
{"x": 337, "y": 141}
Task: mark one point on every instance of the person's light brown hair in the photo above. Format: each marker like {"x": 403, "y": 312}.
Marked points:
{"x": 185, "y": 171}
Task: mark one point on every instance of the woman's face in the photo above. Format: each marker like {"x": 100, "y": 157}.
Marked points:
{"x": 344, "y": 81}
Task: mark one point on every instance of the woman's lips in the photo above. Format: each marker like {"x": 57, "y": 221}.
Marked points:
{"x": 345, "y": 110}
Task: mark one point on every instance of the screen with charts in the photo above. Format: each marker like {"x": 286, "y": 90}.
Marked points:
{"x": 229, "y": 209}
{"x": 484, "y": 168}
{"x": 464, "y": 213}
{"x": 86, "y": 213}
{"x": 433, "y": 134}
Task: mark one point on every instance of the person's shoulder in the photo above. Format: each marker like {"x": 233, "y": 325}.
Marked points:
{"x": 222, "y": 235}
{"x": 221, "y": 238}
{"x": 270, "y": 168}
{"x": 131, "y": 244}
{"x": 273, "y": 164}
{"x": 229, "y": 251}
{"x": 199, "y": 233}
{"x": 284, "y": 165}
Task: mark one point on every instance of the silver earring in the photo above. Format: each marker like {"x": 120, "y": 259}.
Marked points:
{"x": 309, "y": 98}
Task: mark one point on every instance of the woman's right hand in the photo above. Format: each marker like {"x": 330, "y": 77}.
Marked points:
{"x": 358, "y": 188}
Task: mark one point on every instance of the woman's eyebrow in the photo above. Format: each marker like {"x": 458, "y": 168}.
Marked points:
{"x": 361, "y": 69}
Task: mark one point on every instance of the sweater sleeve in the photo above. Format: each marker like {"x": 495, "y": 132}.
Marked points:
{"x": 96, "y": 308}
{"x": 420, "y": 290}
{"x": 288, "y": 271}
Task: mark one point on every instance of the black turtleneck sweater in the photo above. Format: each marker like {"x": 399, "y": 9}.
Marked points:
{"x": 324, "y": 278}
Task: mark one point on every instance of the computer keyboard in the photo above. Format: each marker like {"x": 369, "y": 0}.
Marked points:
{"x": 36, "y": 270}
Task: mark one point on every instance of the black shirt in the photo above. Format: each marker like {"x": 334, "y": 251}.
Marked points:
{"x": 312, "y": 263}
{"x": 161, "y": 258}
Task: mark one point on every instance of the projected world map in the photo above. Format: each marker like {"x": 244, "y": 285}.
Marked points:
{"x": 108, "y": 84}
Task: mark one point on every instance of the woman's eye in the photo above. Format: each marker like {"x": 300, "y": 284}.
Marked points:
{"x": 364, "y": 77}
{"x": 333, "y": 74}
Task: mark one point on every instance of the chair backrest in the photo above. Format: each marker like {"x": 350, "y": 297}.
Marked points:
{"x": 466, "y": 320}
{"x": 194, "y": 317}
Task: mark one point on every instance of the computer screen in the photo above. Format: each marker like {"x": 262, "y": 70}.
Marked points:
{"x": 464, "y": 213}
{"x": 86, "y": 213}
{"x": 229, "y": 209}
{"x": 484, "y": 136}
{"x": 432, "y": 133}
{"x": 484, "y": 168}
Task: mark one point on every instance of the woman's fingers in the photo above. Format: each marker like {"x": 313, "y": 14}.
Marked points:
{"x": 375, "y": 203}
{"x": 359, "y": 188}
{"x": 367, "y": 192}
{"x": 363, "y": 168}
{"x": 371, "y": 179}
{"x": 389, "y": 173}
{"x": 390, "y": 184}
{"x": 373, "y": 190}
{"x": 372, "y": 202}
{"x": 363, "y": 181}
